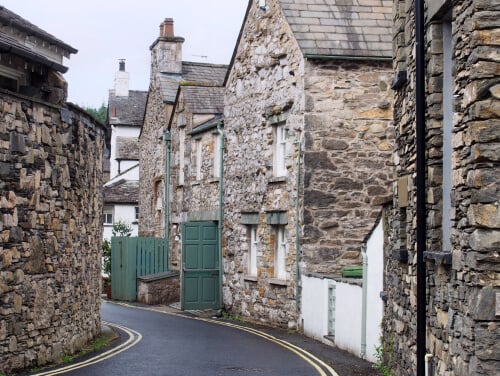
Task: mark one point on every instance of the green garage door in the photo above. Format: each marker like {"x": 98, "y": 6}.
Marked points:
{"x": 200, "y": 266}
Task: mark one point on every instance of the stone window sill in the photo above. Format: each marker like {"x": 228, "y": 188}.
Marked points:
{"x": 197, "y": 182}
{"x": 214, "y": 180}
{"x": 277, "y": 282}
{"x": 439, "y": 258}
{"x": 277, "y": 179}
{"x": 250, "y": 278}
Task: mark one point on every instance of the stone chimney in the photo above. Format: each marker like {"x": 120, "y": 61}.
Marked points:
{"x": 121, "y": 80}
{"x": 166, "y": 51}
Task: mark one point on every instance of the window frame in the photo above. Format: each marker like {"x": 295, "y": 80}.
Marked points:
{"x": 108, "y": 211}
{"x": 253, "y": 242}
{"x": 280, "y": 253}
{"x": 279, "y": 150}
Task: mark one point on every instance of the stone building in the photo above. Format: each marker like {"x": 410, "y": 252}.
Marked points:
{"x": 307, "y": 119}
{"x": 168, "y": 71}
{"x": 50, "y": 203}
{"x": 195, "y": 175}
{"x": 455, "y": 192}
{"x": 125, "y": 115}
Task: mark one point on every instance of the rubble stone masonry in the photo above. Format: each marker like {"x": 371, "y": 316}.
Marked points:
{"x": 340, "y": 111}
{"x": 50, "y": 230}
{"x": 463, "y": 284}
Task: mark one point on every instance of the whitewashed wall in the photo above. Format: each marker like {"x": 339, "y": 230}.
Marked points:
{"x": 348, "y": 304}
{"x": 119, "y": 131}
{"x": 125, "y": 213}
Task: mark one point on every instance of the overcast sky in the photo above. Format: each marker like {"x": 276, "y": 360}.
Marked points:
{"x": 104, "y": 31}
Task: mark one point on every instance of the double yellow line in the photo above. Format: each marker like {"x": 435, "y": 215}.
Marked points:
{"x": 133, "y": 339}
{"x": 320, "y": 366}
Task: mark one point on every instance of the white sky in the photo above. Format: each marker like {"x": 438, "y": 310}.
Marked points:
{"x": 104, "y": 31}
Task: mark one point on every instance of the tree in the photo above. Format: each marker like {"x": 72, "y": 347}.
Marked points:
{"x": 120, "y": 228}
{"x": 100, "y": 113}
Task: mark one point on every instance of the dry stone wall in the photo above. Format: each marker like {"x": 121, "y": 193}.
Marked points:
{"x": 50, "y": 231}
{"x": 462, "y": 293}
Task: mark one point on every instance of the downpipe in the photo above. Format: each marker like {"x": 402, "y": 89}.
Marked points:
{"x": 168, "y": 149}
{"x": 219, "y": 225}
{"x": 364, "y": 302}
{"x": 297, "y": 230}
{"x": 420, "y": 183}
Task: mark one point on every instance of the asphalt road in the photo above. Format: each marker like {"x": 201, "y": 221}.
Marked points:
{"x": 176, "y": 346}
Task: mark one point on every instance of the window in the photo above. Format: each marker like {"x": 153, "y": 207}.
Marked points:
{"x": 136, "y": 213}
{"x": 252, "y": 250}
{"x": 107, "y": 215}
{"x": 447, "y": 132}
{"x": 197, "y": 163}
{"x": 182, "y": 140}
{"x": 217, "y": 156}
{"x": 279, "y": 150}
{"x": 280, "y": 254}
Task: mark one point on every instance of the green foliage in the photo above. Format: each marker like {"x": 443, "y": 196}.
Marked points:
{"x": 100, "y": 113}
{"x": 384, "y": 354}
{"x": 106, "y": 257}
{"x": 67, "y": 359}
{"x": 121, "y": 228}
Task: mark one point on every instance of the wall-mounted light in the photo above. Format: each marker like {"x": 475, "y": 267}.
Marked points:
{"x": 262, "y": 5}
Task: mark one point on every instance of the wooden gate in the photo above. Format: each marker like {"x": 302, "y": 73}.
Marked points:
{"x": 132, "y": 258}
{"x": 200, "y": 266}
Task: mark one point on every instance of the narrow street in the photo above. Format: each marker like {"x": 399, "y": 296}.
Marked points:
{"x": 155, "y": 343}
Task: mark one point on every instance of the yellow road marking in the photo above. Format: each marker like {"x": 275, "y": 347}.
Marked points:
{"x": 305, "y": 355}
{"x": 134, "y": 338}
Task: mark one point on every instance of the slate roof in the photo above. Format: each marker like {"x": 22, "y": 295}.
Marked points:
{"x": 122, "y": 192}
{"x": 127, "y": 148}
{"x": 204, "y": 99}
{"x": 127, "y": 110}
{"x": 9, "y": 18}
{"x": 191, "y": 72}
{"x": 341, "y": 28}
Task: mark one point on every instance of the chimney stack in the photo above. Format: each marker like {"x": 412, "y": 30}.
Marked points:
{"x": 167, "y": 28}
{"x": 121, "y": 80}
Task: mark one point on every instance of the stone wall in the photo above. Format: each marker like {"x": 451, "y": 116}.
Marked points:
{"x": 152, "y": 165}
{"x": 462, "y": 284}
{"x": 266, "y": 82}
{"x": 50, "y": 231}
{"x": 347, "y": 159}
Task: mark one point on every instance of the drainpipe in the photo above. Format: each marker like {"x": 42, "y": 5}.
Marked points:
{"x": 420, "y": 183}
{"x": 297, "y": 230}
{"x": 221, "y": 179}
{"x": 364, "y": 301}
{"x": 168, "y": 141}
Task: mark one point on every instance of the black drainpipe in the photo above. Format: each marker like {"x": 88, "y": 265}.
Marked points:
{"x": 421, "y": 197}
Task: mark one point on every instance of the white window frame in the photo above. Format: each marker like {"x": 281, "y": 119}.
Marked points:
{"x": 198, "y": 155}
{"x": 280, "y": 254}
{"x": 253, "y": 243}
{"x": 136, "y": 213}
{"x": 107, "y": 213}
{"x": 182, "y": 140}
{"x": 280, "y": 150}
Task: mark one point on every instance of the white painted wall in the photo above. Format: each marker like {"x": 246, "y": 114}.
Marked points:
{"x": 348, "y": 304}
{"x": 119, "y": 131}
{"x": 124, "y": 213}
{"x": 374, "y": 251}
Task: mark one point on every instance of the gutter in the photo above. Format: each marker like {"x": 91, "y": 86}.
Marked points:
{"x": 420, "y": 184}
{"x": 168, "y": 141}
{"x": 219, "y": 225}
{"x": 350, "y": 58}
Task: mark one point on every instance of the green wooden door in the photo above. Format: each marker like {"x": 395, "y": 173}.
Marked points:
{"x": 200, "y": 266}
